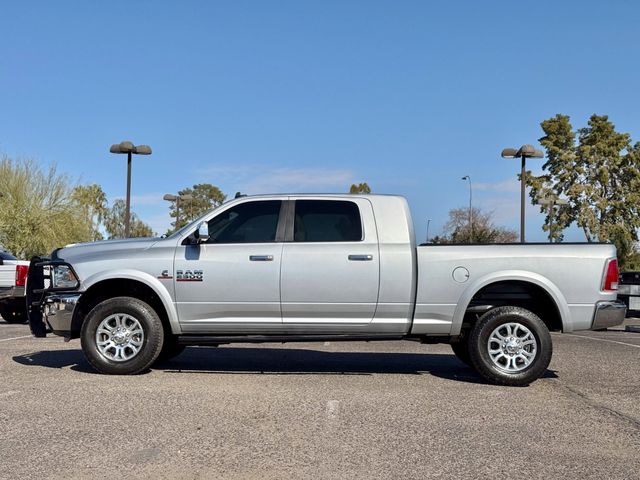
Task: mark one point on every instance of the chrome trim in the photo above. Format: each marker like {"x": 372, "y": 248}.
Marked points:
{"x": 261, "y": 258}
{"x": 608, "y": 314}
{"x": 361, "y": 258}
{"x": 58, "y": 310}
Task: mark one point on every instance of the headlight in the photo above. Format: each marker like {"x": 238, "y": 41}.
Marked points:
{"x": 63, "y": 277}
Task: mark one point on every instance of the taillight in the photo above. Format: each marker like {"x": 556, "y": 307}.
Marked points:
{"x": 21, "y": 275}
{"x": 610, "y": 282}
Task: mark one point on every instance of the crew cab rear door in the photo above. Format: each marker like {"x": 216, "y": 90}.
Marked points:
{"x": 330, "y": 263}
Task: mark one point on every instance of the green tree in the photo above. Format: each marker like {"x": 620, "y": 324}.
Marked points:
{"x": 37, "y": 209}
{"x": 114, "y": 222}
{"x": 598, "y": 174}
{"x": 205, "y": 198}
{"x": 457, "y": 230}
{"x": 360, "y": 188}
{"x": 92, "y": 201}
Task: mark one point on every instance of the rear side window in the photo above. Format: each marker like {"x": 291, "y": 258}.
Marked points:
{"x": 327, "y": 221}
{"x": 251, "y": 222}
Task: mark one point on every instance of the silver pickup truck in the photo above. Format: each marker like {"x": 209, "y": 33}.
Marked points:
{"x": 283, "y": 268}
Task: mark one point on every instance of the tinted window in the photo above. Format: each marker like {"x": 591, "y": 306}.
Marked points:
{"x": 6, "y": 256}
{"x": 251, "y": 222}
{"x": 327, "y": 221}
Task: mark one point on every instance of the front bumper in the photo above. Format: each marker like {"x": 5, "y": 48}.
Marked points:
{"x": 11, "y": 292}
{"x": 58, "y": 311}
{"x": 49, "y": 309}
{"x": 608, "y": 314}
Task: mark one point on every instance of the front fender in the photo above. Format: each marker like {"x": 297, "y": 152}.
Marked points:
{"x": 513, "y": 275}
{"x": 146, "y": 279}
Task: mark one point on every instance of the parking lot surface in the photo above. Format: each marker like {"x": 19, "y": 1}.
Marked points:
{"x": 336, "y": 410}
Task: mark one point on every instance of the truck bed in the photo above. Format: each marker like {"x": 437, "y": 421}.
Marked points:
{"x": 453, "y": 277}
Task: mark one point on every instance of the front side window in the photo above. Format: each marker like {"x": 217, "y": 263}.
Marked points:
{"x": 327, "y": 221}
{"x": 251, "y": 222}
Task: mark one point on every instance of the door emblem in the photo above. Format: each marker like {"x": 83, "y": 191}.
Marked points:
{"x": 165, "y": 275}
{"x": 189, "y": 275}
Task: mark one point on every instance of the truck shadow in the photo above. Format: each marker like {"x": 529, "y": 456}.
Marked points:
{"x": 283, "y": 361}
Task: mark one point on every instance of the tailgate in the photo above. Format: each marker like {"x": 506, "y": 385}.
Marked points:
{"x": 7, "y": 275}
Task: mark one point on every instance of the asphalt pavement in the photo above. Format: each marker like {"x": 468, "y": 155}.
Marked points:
{"x": 318, "y": 410}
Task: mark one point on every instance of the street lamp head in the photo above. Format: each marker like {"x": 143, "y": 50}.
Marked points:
{"x": 526, "y": 151}
{"x": 466, "y": 177}
{"x": 129, "y": 147}
{"x": 122, "y": 147}
{"x": 509, "y": 153}
{"x": 552, "y": 200}
{"x": 172, "y": 198}
{"x": 529, "y": 151}
{"x": 142, "y": 150}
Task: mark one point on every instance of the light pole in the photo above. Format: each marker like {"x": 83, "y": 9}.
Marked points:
{"x": 468, "y": 177}
{"x": 178, "y": 199}
{"x": 428, "y": 223}
{"x": 524, "y": 152}
{"x": 130, "y": 149}
{"x": 551, "y": 201}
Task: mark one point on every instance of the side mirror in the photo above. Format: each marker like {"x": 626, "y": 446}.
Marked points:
{"x": 202, "y": 233}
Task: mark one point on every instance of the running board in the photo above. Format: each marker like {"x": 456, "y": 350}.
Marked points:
{"x": 223, "y": 339}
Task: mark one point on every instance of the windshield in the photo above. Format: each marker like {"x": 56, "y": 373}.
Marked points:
{"x": 6, "y": 256}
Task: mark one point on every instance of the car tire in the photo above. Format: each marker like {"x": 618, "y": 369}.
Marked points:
{"x": 461, "y": 351}
{"x": 170, "y": 349}
{"x": 510, "y": 346}
{"x": 14, "y": 312}
{"x": 122, "y": 336}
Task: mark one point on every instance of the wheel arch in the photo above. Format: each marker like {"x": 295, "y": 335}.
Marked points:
{"x": 541, "y": 287}
{"x": 127, "y": 283}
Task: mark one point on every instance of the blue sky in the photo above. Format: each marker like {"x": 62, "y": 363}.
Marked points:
{"x": 311, "y": 96}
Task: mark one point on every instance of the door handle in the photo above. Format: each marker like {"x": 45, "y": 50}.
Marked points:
{"x": 360, "y": 258}
{"x": 261, "y": 258}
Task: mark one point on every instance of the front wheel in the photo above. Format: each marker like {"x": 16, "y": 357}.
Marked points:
{"x": 510, "y": 346}
{"x": 170, "y": 348}
{"x": 461, "y": 351}
{"x": 122, "y": 336}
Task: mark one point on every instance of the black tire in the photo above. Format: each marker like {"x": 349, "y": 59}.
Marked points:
{"x": 151, "y": 344}
{"x": 14, "y": 311}
{"x": 479, "y": 349}
{"x": 461, "y": 351}
{"x": 170, "y": 348}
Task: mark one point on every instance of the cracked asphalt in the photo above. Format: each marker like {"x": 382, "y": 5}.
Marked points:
{"x": 336, "y": 410}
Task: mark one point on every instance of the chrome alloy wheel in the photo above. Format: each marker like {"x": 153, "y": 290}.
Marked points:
{"x": 512, "y": 347}
{"x": 119, "y": 337}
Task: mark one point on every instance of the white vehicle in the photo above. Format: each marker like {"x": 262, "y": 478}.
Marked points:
{"x": 13, "y": 276}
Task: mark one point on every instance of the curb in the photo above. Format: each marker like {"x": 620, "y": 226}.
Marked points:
{"x": 632, "y": 328}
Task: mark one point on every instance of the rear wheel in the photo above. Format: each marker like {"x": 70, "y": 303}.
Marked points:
{"x": 122, "y": 335}
{"x": 14, "y": 311}
{"x": 510, "y": 346}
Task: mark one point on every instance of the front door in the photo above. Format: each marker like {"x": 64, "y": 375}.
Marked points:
{"x": 232, "y": 282}
{"x": 330, "y": 265}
